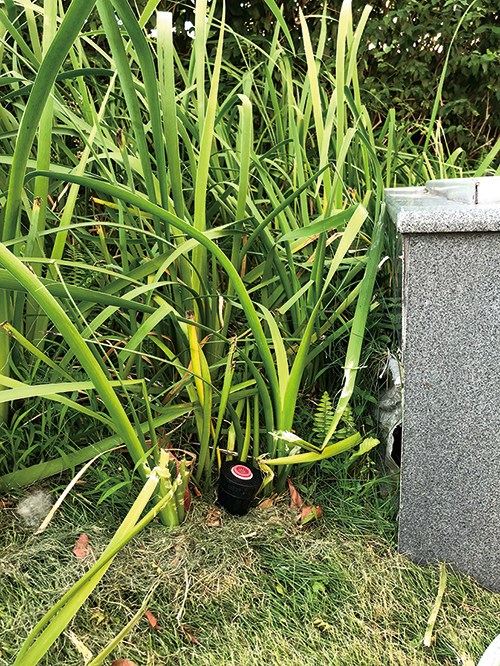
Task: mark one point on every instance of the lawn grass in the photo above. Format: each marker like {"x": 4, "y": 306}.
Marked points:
{"x": 251, "y": 591}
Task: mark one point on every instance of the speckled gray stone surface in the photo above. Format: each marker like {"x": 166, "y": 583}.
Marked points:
{"x": 450, "y": 469}
{"x": 419, "y": 210}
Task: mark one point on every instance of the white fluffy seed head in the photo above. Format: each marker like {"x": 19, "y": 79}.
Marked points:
{"x": 33, "y": 509}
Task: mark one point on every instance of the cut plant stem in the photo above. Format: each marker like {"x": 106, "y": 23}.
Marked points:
{"x": 429, "y": 639}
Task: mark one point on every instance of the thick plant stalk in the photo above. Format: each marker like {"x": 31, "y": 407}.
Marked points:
{"x": 345, "y": 16}
{"x": 245, "y": 140}
{"x": 203, "y": 387}
{"x": 315, "y": 98}
{"x": 107, "y": 15}
{"x": 200, "y": 38}
{"x": 200, "y": 260}
{"x": 148, "y": 70}
{"x": 167, "y": 88}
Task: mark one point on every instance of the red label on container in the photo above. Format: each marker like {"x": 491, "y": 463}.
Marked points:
{"x": 242, "y": 472}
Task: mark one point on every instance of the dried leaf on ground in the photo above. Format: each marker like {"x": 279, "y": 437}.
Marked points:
{"x": 213, "y": 518}
{"x": 123, "y": 662}
{"x": 267, "y": 503}
{"x": 82, "y": 548}
{"x": 152, "y": 620}
{"x": 310, "y": 513}
{"x": 98, "y": 616}
{"x": 296, "y": 501}
{"x": 80, "y": 646}
{"x": 4, "y": 503}
{"x": 465, "y": 659}
{"x": 429, "y": 637}
{"x": 189, "y": 634}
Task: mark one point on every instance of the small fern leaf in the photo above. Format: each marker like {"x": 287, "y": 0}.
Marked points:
{"x": 323, "y": 417}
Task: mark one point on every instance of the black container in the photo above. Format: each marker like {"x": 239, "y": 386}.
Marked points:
{"x": 238, "y": 485}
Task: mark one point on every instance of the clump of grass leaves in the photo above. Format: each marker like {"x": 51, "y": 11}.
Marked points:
{"x": 250, "y": 591}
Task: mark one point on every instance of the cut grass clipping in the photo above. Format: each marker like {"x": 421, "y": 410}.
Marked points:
{"x": 245, "y": 592}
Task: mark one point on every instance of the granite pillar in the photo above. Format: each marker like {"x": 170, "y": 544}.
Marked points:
{"x": 450, "y": 466}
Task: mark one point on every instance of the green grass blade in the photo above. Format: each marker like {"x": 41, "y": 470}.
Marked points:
{"x": 280, "y": 354}
{"x": 8, "y": 282}
{"x": 481, "y": 170}
{"x": 72, "y": 23}
{"x": 148, "y": 73}
{"x": 344, "y": 21}
{"x": 38, "y": 353}
{"x": 437, "y": 99}
{"x": 239, "y": 288}
{"x": 120, "y": 59}
{"x": 167, "y": 87}
{"x": 143, "y": 331}
{"x": 301, "y": 358}
{"x": 199, "y": 46}
{"x": 79, "y": 348}
{"x": 312, "y": 71}
{"x": 35, "y": 473}
{"x": 200, "y": 197}
{"x": 328, "y": 452}
{"x": 359, "y": 322}
{"x": 279, "y": 17}
{"x": 22, "y": 391}
{"x": 226, "y": 387}
{"x": 54, "y": 622}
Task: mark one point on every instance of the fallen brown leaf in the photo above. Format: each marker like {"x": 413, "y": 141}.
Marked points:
{"x": 310, "y": 513}
{"x": 82, "y": 548}
{"x": 4, "y": 503}
{"x": 152, "y": 620}
{"x": 123, "y": 662}
{"x": 213, "y": 518}
{"x": 296, "y": 501}
{"x": 267, "y": 503}
{"x": 189, "y": 633}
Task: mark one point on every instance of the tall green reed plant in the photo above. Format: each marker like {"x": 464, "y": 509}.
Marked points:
{"x": 251, "y": 237}
{"x": 252, "y": 200}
